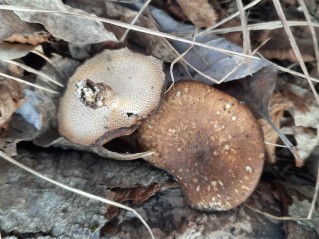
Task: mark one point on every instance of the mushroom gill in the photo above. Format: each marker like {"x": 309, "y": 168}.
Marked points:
{"x": 210, "y": 142}
{"x": 108, "y": 96}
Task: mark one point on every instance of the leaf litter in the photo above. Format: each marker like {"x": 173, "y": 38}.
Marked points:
{"x": 256, "y": 90}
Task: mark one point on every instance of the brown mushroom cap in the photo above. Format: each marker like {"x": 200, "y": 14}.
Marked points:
{"x": 108, "y": 96}
{"x": 209, "y": 142}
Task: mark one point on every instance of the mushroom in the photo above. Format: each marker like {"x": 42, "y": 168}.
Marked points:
{"x": 210, "y": 142}
{"x": 108, "y": 96}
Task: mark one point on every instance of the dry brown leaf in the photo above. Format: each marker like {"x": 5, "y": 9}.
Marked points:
{"x": 11, "y": 24}
{"x": 70, "y": 28}
{"x": 154, "y": 45}
{"x": 10, "y": 99}
{"x": 10, "y": 51}
{"x": 137, "y": 194}
{"x": 33, "y": 39}
{"x": 278, "y": 47}
{"x": 201, "y": 13}
{"x": 278, "y": 104}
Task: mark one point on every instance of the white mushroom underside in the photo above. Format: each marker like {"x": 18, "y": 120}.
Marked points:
{"x": 137, "y": 82}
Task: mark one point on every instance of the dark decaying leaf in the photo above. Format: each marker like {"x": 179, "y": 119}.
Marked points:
{"x": 69, "y": 28}
{"x": 11, "y": 24}
{"x": 10, "y": 51}
{"x": 256, "y": 91}
{"x": 215, "y": 64}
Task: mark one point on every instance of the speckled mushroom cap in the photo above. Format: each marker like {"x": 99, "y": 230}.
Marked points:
{"x": 209, "y": 142}
{"x": 108, "y": 96}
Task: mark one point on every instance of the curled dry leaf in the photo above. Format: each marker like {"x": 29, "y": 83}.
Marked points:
{"x": 67, "y": 27}
{"x": 11, "y": 25}
{"x": 306, "y": 139}
{"x": 10, "y": 51}
{"x": 278, "y": 104}
{"x": 214, "y": 64}
{"x": 10, "y": 99}
{"x": 202, "y": 13}
{"x": 156, "y": 46}
{"x": 305, "y": 113}
{"x": 278, "y": 47}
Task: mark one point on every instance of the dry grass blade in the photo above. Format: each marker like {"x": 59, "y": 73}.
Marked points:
{"x": 131, "y": 27}
{"x": 74, "y": 190}
{"x": 312, "y": 31}
{"x": 263, "y": 26}
{"x": 295, "y": 73}
{"x": 285, "y": 146}
{"x": 39, "y": 73}
{"x": 245, "y": 31}
{"x": 39, "y": 53}
{"x": 276, "y": 217}
{"x": 135, "y": 19}
{"x": 179, "y": 58}
{"x": 208, "y": 30}
{"x": 28, "y": 83}
{"x": 305, "y": 71}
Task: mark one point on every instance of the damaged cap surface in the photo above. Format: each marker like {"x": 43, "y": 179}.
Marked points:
{"x": 108, "y": 96}
{"x": 209, "y": 142}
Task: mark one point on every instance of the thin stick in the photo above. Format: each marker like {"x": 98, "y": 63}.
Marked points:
{"x": 74, "y": 190}
{"x": 135, "y": 19}
{"x": 39, "y": 73}
{"x": 132, "y": 27}
{"x": 28, "y": 83}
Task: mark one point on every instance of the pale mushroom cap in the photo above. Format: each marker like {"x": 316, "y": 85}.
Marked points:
{"x": 134, "y": 84}
{"x": 209, "y": 142}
